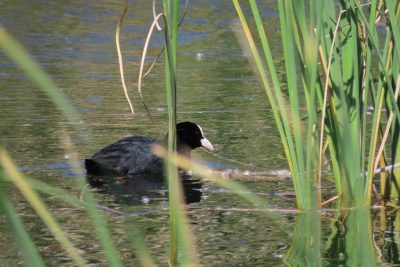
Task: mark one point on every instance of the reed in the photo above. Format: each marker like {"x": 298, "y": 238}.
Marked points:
{"x": 334, "y": 60}
{"x": 17, "y": 230}
{"x": 182, "y": 250}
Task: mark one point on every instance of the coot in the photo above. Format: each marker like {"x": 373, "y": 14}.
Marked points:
{"x": 131, "y": 156}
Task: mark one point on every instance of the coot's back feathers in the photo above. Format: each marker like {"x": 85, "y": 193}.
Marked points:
{"x": 128, "y": 156}
{"x": 132, "y": 155}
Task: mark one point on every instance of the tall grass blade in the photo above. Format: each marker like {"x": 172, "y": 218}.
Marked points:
{"x": 40, "y": 208}
{"x": 16, "y": 228}
{"x": 182, "y": 249}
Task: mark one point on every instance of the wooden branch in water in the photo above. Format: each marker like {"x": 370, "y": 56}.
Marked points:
{"x": 274, "y": 176}
{"x": 235, "y": 174}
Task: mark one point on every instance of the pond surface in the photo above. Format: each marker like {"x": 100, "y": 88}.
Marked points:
{"x": 74, "y": 42}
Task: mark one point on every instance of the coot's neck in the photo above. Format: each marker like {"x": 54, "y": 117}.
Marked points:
{"x": 184, "y": 149}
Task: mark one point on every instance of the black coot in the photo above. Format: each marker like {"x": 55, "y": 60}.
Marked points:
{"x": 131, "y": 156}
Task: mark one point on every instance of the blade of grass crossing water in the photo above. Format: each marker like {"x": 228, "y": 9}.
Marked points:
{"x": 90, "y": 206}
{"x": 25, "y": 244}
{"x": 40, "y": 208}
{"x": 201, "y": 171}
{"x": 17, "y": 53}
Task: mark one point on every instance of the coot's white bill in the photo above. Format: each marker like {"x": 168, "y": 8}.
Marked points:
{"x": 206, "y": 144}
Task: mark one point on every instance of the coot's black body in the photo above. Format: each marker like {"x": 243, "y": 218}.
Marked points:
{"x": 128, "y": 156}
{"x": 131, "y": 156}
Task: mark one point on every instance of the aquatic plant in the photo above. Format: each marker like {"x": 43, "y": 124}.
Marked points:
{"x": 336, "y": 53}
{"x": 338, "y": 69}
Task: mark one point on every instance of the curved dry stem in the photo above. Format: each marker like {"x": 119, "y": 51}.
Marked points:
{"x": 120, "y": 62}
{"x": 388, "y": 124}
{"x": 321, "y": 142}
{"x": 146, "y": 45}
{"x": 154, "y": 15}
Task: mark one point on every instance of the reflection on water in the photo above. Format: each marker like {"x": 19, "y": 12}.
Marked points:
{"x": 348, "y": 241}
{"x": 142, "y": 189}
{"x": 74, "y": 42}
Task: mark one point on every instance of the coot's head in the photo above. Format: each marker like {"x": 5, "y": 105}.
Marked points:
{"x": 191, "y": 134}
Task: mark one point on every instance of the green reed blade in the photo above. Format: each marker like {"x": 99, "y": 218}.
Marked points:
{"x": 330, "y": 55}
{"x": 89, "y": 204}
{"x": 277, "y": 102}
{"x": 50, "y": 190}
{"x": 17, "y": 229}
{"x": 394, "y": 18}
{"x": 182, "y": 249}
{"x": 350, "y": 96}
{"x": 365, "y": 97}
{"x": 37, "y": 204}
{"x": 292, "y": 81}
{"x": 102, "y": 232}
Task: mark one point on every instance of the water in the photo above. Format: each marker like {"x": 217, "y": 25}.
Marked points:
{"x": 74, "y": 42}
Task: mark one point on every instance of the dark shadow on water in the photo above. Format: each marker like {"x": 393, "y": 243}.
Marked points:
{"x": 136, "y": 190}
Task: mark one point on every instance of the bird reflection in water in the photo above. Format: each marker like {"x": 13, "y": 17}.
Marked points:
{"x": 136, "y": 190}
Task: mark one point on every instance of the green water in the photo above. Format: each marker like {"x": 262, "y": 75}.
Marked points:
{"x": 74, "y": 42}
